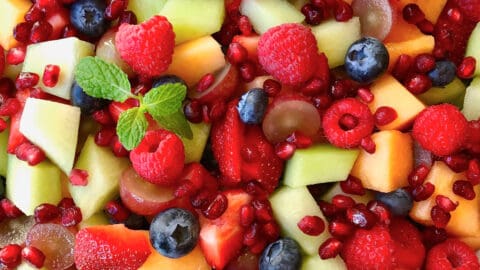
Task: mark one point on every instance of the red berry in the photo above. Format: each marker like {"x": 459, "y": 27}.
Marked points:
{"x": 71, "y": 216}
{"x": 384, "y": 115}
{"x": 159, "y": 157}
{"x": 452, "y": 254}
{"x": 10, "y": 255}
{"x": 117, "y": 211}
{"x": 445, "y": 203}
{"x": 413, "y": 14}
{"x": 352, "y": 185}
{"x": 466, "y": 68}
{"x": 46, "y": 212}
{"x": 464, "y": 188}
{"x": 409, "y": 251}
{"x": 340, "y": 228}
{"x": 50, "y": 75}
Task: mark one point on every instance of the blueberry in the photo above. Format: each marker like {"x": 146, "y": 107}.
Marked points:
{"x": 399, "y": 201}
{"x": 443, "y": 73}
{"x": 283, "y": 254}
{"x": 174, "y": 232}
{"x": 366, "y": 59}
{"x": 87, "y": 17}
{"x": 87, "y": 104}
{"x": 252, "y": 106}
{"x": 167, "y": 79}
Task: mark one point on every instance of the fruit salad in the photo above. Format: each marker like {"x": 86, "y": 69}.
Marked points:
{"x": 239, "y": 134}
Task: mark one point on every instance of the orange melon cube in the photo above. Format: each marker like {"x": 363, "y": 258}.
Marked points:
{"x": 388, "y": 167}
{"x": 417, "y": 45}
{"x": 192, "y": 261}
{"x": 193, "y": 59}
{"x": 387, "y": 91}
{"x": 465, "y": 219}
{"x": 12, "y": 14}
{"x": 431, "y": 9}
{"x": 472, "y": 241}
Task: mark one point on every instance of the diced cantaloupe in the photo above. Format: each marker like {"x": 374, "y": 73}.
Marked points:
{"x": 472, "y": 241}
{"x": 195, "y": 260}
{"x": 421, "y": 44}
{"x": 388, "y": 167}
{"x": 12, "y": 12}
{"x": 431, "y": 9}
{"x": 465, "y": 219}
{"x": 389, "y": 92}
{"x": 193, "y": 59}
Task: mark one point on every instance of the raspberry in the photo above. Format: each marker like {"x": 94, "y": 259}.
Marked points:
{"x": 289, "y": 53}
{"x": 352, "y": 136}
{"x": 440, "y": 129}
{"x": 147, "y": 47}
{"x": 471, "y": 8}
{"x": 159, "y": 157}
{"x": 369, "y": 249}
{"x": 408, "y": 251}
{"x": 472, "y": 143}
{"x": 452, "y": 254}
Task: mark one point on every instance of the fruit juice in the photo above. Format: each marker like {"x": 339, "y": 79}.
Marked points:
{"x": 239, "y": 134}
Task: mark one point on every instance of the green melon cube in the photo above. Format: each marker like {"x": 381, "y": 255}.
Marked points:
{"x": 471, "y": 110}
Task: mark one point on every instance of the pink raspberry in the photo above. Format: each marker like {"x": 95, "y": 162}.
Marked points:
{"x": 289, "y": 53}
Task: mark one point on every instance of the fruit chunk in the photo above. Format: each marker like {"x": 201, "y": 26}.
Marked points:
{"x": 392, "y": 160}
{"x": 145, "y": 9}
{"x": 418, "y": 45}
{"x": 12, "y": 14}
{"x": 467, "y": 211}
{"x": 264, "y": 14}
{"x": 335, "y": 48}
{"x": 194, "y": 259}
{"x": 336, "y": 189}
{"x": 3, "y": 152}
{"x": 110, "y": 247}
{"x": 65, "y": 53}
{"x": 194, "y": 147}
{"x": 188, "y": 18}
{"x": 195, "y": 58}
{"x": 453, "y": 92}
{"x": 472, "y": 98}
{"x": 289, "y": 206}
{"x": 104, "y": 170}
{"x": 391, "y": 93}
{"x": 26, "y": 266}
{"x": 29, "y": 186}
{"x": 319, "y": 163}
{"x": 473, "y": 48}
{"x": 96, "y": 219}
{"x": 314, "y": 262}
{"x": 53, "y": 127}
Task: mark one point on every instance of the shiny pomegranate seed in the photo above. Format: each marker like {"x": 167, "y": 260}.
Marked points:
{"x": 361, "y": 217}
{"x": 285, "y": 150}
{"x": 464, "y": 189}
{"x": 423, "y": 192}
{"x": 271, "y": 231}
{"x": 413, "y": 14}
{"x": 50, "y": 75}
{"x": 7, "y": 87}
{"x": 322, "y": 101}
{"x": 247, "y": 215}
{"x": 368, "y": 145}
{"x": 30, "y": 153}
{"x": 402, "y": 66}
{"x": 247, "y": 71}
{"x": 34, "y": 14}
{"x": 3, "y": 124}
{"x": 205, "y": 82}
{"x": 236, "y": 53}
{"x": 340, "y": 229}
{"x": 313, "y": 16}
{"x": 272, "y": 87}
{"x": 342, "y": 201}
{"x": 41, "y": 30}
{"x": 217, "y": 110}
{"x": 10, "y": 209}
{"x": 384, "y": 115}
{"x": 251, "y": 234}
{"x": 341, "y": 88}
{"x": 66, "y": 203}
{"x": 201, "y": 200}
{"x": 216, "y": 207}
{"x": 300, "y": 140}
{"x": 46, "y": 5}
{"x": 466, "y": 68}
{"x": 193, "y": 111}
{"x": 259, "y": 246}
{"x": 433, "y": 235}
{"x": 69, "y": 31}
{"x": 114, "y": 9}
{"x": 473, "y": 171}
{"x": 330, "y": 248}
{"x": 10, "y": 255}
{"x": 440, "y": 218}
{"x": 16, "y": 55}
{"x": 185, "y": 188}
{"x": 424, "y": 62}
{"x": 352, "y": 185}
{"x": 117, "y": 211}
{"x": 263, "y": 210}
{"x": 71, "y": 216}
{"x": 365, "y": 94}
{"x": 22, "y": 31}
{"x": 26, "y": 80}
{"x": 34, "y": 256}
{"x": 253, "y": 188}
{"x": 117, "y": 147}
{"x": 78, "y": 177}
{"x": 314, "y": 87}
{"x": 426, "y": 27}
{"x": 348, "y": 121}
{"x": 418, "y": 83}
{"x": 454, "y": 15}
{"x": 127, "y": 16}
{"x": 329, "y": 210}
{"x": 343, "y": 11}
{"x": 9, "y": 107}
{"x": 46, "y": 212}
{"x": 418, "y": 175}
{"x": 457, "y": 163}
{"x": 104, "y": 136}
{"x": 445, "y": 203}
{"x": 311, "y": 225}
{"x": 103, "y": 117}
{"x": 245, "y": 26}
{"x": 380, "y": 210}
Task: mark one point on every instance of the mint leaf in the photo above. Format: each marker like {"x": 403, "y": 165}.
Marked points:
{"x": 131, "y": 127}
{"x": 102, "y": 80}
{"x": 175, "y": 122}
{"x": 165, "y": 99}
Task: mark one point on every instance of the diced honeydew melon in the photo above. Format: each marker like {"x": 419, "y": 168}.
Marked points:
{"x": 53, "y": 127}
{"x": 298, "y": 4}
{"x": 99, "y": 218}
{"x": 314, "y": 262}
{"x": 473, "y": 47}
{"x": 3, "y": 152}
{"x": 344, "y": 33}
{"x": 144, "y": 9}
{"x": 451, "y": 93}
{"x": 104, "y": 171}
{"x": 194, "y": 147}
{"x": 12, "y": 13}
{"x": 26, "y": 266}
{"x": 28, "y": 186}
{"x": 65, "y": 53}
{"x": 192, "y": 19}
{"x": 264, "y": 14}
{"x": 471, "y": 110}
{"x": 319, "y": 163}
{"x": 289, "y": 206}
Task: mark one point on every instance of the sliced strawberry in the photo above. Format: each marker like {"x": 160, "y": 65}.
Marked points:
{"x": 221, "y": 238}
{"x": 110, "y": 247}
{"x": 409, "y": 251}
{"x": 250, "y": 43}
{"x": 15, "y": 137}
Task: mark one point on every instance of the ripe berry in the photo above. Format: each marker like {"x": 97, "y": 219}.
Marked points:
{"x": 366, "y": 59}
{"x": 281, "y": 254}
{"x": 252, "y": 106}
{"x": 87, "y": 17}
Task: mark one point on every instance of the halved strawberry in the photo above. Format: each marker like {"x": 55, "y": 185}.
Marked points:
{"x": 110, "y": 247}
{"x": 221, "y": 239}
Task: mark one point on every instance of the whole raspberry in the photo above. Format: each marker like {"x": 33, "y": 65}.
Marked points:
{"x": 440, "y": 129}
{"x": 159, "y": 157}
{"x": 471, "y": 8}
{"x": 147, "y": 47}
{"x": 289, "y": 53}
{"x": 452, "y": 254}
{"x": 408, "y": 251}
{"x": 351, "y": 136}
{"x": 369, "y": 249}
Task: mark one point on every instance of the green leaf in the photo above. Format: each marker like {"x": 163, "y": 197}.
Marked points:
{"x": 131, "y": 127}
{"x": 102, "y": 80}
{"x": 175, "y": 122}
{"x": 165, "y": 99}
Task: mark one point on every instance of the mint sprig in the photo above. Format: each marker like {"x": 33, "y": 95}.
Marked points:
{"x": 104, "y": 80}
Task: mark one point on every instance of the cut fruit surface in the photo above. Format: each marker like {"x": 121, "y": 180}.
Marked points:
{"x": 453, "y": 93}
{"x": 473, "y": 47}
{"x": 412, "y": 47}
{"x": 3, "y": 152}
{"x": 314, "y": 262}
{"x": 146, "y": 8}
{"x": 471, "y": 100}
{"x": 195, "y": 260}
{"x": 12, "y": 14}
{"x": 376, "y": 17}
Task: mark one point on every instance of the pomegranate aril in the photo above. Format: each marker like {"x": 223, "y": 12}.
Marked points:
{"x": 3, "y": 124}
{"x": 473, "y": 171}
{"x": 330, "y": 248}
{"x": 380, "y": 210}
{"x": 34, "y": 14}
{"x": 418, "y": 175}
{"x": 66, "y": 203}
{"x": 104, "y": 136}
{"x": 341, "y": 88}
{"x": 103, "y": 117}
{"x": 423, "y": 192}
{"x": 50, "y": 75}
{"x": 445, "y": 203}
{"x": 236, "y": 53}
{"x": 466, "y": 68}
{"x": 343, "y": 11}
{"x": 71, "y": 216}
{"x": 205, "y": 82}
{"x": 440, "y": 217}
{"x": 127, "y": 16}
{"x": 201, "y": 200}
{"x": 40, "y": 31}
{"x": 7, "y": 87}
{"x": 216, "y": 111}
{"x": 342, "y": 201}
{"x": 69, "y": 31}
{"x": 402, "y": 66}
{"x": 34, "y": 256}
{"x": 9, "y": 107}
{"x": 315, "y": 87}
{"x": 361, "y": 217}
{"x": 271, "y": 87}
{"x": 251, "y": 234}
{"x": 285, "y": 150}
{"x": 30, "y": 153}
{"x": 352, "y": 185}
{"x": 245, "y": 25}
{"x": 413, "y": 14}
{"x": 22, "y": 31}
{"x": 10, "y": 255}
{"x": 299, "y": 139}
{"x": 271, "y": 231}
{"x": 263, "y": 210}
{"x": 26, "y": 80}
{"x": 216, "y": 207}
{"x": 368, "y": 145}
{"x": 47, "y": 5}
{"x": 424, "y": 62}
{"x": 247, "y": 71}
{"x": 457, "y": 162}
{"x": 329, "y": 210}
{"x": 418, "y": 83}
{"x": 78, "y": 177}
{"x": 426, "y": 27}
{"x": 365, "y": 94}
{"x": 340, "y": 229}
{"x": 46, "y": 212}
{"x": 313, "y": 15}
{"x": 247, "y": 215}
{"x": 311, "y": 225}
{"x": 117, "y": 147}
{"x": 464, "y": 189}
{"x": 10, "y": 209}
{"x": 454, "y": 15}
{"x": 117, "y": 211}
{"x": 114, "y": 9}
